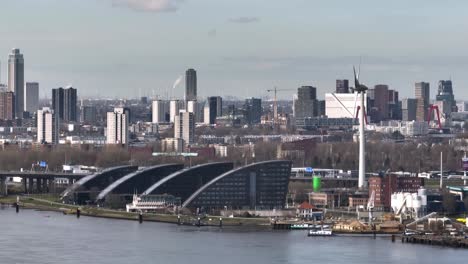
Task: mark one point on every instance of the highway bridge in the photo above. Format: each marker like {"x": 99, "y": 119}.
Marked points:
{"x": 37, "y": 181}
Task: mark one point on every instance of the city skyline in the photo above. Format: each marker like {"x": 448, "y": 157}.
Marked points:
{"x": 106, "y": 54}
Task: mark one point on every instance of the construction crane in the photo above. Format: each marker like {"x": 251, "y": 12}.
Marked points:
{"x": 275, "y": 103}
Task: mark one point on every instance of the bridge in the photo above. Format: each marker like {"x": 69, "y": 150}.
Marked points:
{"x": 37, "y": 181}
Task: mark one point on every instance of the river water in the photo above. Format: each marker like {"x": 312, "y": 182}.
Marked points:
{"x": 48, "y": 237}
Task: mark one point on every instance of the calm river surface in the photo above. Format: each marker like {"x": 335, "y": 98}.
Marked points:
{"x": 47, "y": 237}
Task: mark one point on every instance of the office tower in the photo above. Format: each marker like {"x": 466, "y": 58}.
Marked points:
{"x": 47, "y": 126}
{"x": 117, "y": 126}
{"x": 88, "y": 114}
{"x": 213, "y": 109}
{"x": 409, "y": 107}
{"x": 184, "y": 127}
{"x": 422, "y": 94}
{"x": 445, "y": 94}
{"x": 64, "y": 103}
{"x": 381, "y": 103}
{"x": 16, "y": 80}
{"x": 160, "y": 111}
{"x": 253, "y": 110}
{"x": 342, "y": 86}
{"x": 394, "y": 105}
{"x": 306, "y": 104}
{"x": 190, "y": 85}
{"x": 174, "y": 107}
{"x": 31, "y": 97}
{"x": 144, "y": 100}
{"x": 7, "y": 105}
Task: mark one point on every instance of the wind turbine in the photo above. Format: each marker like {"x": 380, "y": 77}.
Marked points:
{"x": 361, "y": 90}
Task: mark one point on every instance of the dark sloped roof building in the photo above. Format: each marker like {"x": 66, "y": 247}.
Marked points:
{"x": 262, "y": 185}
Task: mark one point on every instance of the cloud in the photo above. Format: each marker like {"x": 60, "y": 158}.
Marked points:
{"x": 244, "y": 20}
{"x": 150, "y": 5}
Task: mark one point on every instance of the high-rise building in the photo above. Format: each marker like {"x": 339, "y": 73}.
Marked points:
{"x": 64, "y": 103}
{"x": 174, "y": 107}
{"x": 190, "y": 85}
{"x": 213, "y": 109}
{"x": 445, "y": 94}
{"x": 422, "y": 94}
{"x": 409, "y": 108}
{"x": 184, "y": 127}
{"x": 31, "y": 97}
{"x": 7, "y": 105}
{"x": 253, "y": 110}
{"x": 88, "y": 114}
{"x": 342, "y": 86}
{"x": 47, "y": 126}
{"x": 394, "y": 105}
{"x": 160, "y": 111}
{"x": 117, "y": 126}
{"x": 306, "y": 104}
{"x": 16, "y": 80}
{"x": 381, "y": 103}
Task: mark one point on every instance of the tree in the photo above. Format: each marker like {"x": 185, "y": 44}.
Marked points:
{"x": 449, "y": 203}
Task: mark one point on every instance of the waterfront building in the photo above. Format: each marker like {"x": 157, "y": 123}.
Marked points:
{"x": 117, "y": 126}
{"x": 16, "y": 80}
{"x": 47, "y": 126}
{"x": 260, "y": 186}
{"x": 65, "y": 103}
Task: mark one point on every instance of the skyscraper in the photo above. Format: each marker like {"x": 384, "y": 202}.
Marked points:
{"x": 174, "y": 107}
{"x": 64, "y": 103}
{"x": 253, "y": 110}
{"x": 47, "y": 126}
{"x": 184, "y": 127}
{"x": 381, "y": 101}
{"x": 160, "y": 111}
{"x": 16, "y": 80}
{"x": 306, "y": 104}
{"x": 342, "y": 86}
{"x": 213, "y": 109}
{"x": 190, "y": 85}
{"x": 409, "y": 107}
{"x": 31, "y": 97}
{"x": 7, "y": 105}
{"x": 117, "y": 126}
{"x": 422, "y": 94}
{"x": 445, "y": 94}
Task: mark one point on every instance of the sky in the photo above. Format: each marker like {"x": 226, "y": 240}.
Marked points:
{"x": 132, "y": 48}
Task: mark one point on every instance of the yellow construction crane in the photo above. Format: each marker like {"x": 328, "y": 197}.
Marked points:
{"x": 275, "y": 103}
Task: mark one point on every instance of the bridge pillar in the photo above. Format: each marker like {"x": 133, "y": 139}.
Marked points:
{"x": 39, "y": 185}
{"x": 31, "y": 185}
{"x": 45, "y": 186}
{"x": 25, "y": 184}
{"x": 3, "y": 186}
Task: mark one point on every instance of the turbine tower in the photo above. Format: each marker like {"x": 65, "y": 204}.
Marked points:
{"x": 361, "y": 91}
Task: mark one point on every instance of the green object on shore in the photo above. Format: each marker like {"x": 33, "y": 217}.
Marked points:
{"x": 317, "y": 183}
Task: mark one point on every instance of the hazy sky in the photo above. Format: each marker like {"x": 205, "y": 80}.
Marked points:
{"x": 116, "y": 48}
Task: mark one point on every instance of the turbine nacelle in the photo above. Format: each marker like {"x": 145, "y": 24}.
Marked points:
{"x": 358, "y": 87}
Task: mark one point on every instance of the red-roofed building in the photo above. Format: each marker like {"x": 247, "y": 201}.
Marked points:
{"x": 308, "y": 211}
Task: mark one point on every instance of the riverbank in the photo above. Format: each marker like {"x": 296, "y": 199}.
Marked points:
{"x": 50, "y": 205}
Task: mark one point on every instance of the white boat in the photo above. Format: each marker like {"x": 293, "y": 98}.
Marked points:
{"x": 320, "y": 232}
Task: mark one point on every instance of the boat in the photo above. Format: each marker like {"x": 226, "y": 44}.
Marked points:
{"x": 322, "y": 231}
